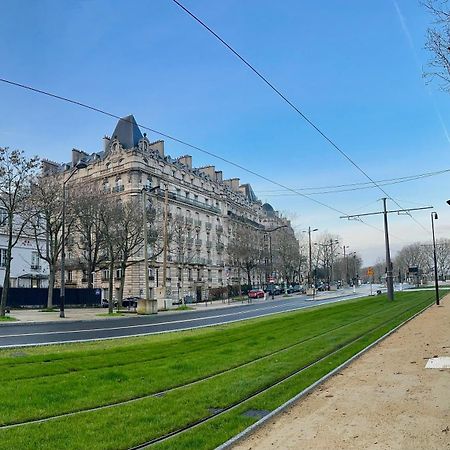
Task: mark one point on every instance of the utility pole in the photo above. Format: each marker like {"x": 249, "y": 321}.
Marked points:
{"x": 346, "y": 263}
{"x": 385, "y": 212}
{"x": 166, "y": 224}
{"x": 434, "y": 217}
{"x": 310, "y": 255}
{"x": 389, "y": 277}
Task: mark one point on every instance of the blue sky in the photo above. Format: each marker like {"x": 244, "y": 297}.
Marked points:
{"x": 353, "y": 67}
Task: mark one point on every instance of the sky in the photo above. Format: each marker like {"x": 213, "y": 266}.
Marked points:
{"x": 353, "y": 68}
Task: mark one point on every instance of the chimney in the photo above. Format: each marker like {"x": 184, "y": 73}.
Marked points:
{"x": 158, "y": 146}
{"x": 233, "y": 184}
{"x": 49, "y": 167}
{"x": 208, "y": 170}
{"x": 219, "y": 176}
{"x": 186, "y": 160}
{"x": 77, "y": 155}
{"x": 106, "y": 142}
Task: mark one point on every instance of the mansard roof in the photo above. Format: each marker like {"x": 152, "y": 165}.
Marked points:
{"x": 127, "y": 132}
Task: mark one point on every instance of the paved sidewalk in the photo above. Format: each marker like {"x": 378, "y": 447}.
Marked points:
{"x": 386, "y": 399}
{"x": 74, "y": 314}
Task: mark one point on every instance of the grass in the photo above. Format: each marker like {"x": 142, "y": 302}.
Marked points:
{"x": 183, "y": 308}
{"x": 56, "y": 380}
{"x": 7, "y": 319}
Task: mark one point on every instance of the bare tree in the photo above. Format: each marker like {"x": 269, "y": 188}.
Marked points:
{"x": 246, "y": 248}
{"x": 438, "y": 42}
{"x": 88, "y": 205}
{"x": 286, "y": 253}
{"x": 45, "y": 217}
{"x": 16, "y": 174}
{"x": 181, "y": 245}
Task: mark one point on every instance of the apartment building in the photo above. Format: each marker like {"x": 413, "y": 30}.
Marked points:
{"x": 198, "y": 197}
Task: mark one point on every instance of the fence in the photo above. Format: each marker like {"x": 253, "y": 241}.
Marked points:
{"x": 37, "y": 297}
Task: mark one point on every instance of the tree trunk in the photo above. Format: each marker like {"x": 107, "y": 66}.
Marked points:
{"x": 111, "y": 287}
{"x": 121, "y": 286}
{"x": 6, "y": 281}
{"x": 51, "y": 285}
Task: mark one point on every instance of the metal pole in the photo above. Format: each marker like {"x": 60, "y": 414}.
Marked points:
{"x": 310, "y": 259}
{"x": 145, "y": 228}
{"x": 436, "y": 286}
{"x": 389, "y": 278}
{"x": 62, "y": 291}
{"x": 166, "y": 221}
{"x": 346, "y": 265}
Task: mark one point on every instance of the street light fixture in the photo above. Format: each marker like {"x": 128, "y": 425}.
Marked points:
{"x": 309, "y": 231}
{"x": 434, "y": 217}
{"x": 62, "y": 292}
{"x": 270, "y": 250}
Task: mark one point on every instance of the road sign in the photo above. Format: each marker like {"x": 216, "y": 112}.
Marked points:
{"x": 370, "y": 272}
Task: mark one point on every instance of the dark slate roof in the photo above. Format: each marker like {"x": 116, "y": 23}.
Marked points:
{"x": 249, "y": 193}
{"x": 127, "y": 132}
{"x": 267, "y": 207}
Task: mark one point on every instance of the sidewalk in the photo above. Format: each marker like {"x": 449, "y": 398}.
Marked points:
{"x": 386, "y": 399}
{"x": 75, "y": 314}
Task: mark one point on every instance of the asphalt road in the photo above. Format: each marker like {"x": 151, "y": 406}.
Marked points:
{"x": 21, "y": 335}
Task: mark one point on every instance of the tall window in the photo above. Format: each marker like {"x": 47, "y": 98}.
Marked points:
{"x": 34, "y": 260}
{"x": 2, "y": 257}
{"x": 3, "y": 216}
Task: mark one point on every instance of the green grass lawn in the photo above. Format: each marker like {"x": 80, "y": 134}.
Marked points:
{"x": 223, "y": 365}
{"x": 7, "y": 319}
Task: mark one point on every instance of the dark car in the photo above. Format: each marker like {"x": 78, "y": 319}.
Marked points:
{"x": 130, "y": 302}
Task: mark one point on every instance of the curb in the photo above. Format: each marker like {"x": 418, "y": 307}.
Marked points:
{"x": 243, "y": 434}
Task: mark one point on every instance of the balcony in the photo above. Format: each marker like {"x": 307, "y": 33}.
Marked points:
{"x": 197, "y": 223}
{"x": 208, "y": 226}
{"x": 219, "y": 228}
{"x": 198, "y": 242}
{"x": 119, "y": 188}
{"x": 198, "y": 261}
{"x": 189, "y": 201}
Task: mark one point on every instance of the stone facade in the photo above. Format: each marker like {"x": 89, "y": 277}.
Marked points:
{"x": 207, "y": 204}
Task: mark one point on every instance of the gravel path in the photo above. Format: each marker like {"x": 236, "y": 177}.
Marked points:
{"x": 386, "y": 399}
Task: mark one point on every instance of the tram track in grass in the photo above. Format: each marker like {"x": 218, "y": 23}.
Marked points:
{"x": 176, "y": 409}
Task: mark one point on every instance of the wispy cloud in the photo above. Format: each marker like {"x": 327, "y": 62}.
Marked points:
{"x": 405, "y": 29}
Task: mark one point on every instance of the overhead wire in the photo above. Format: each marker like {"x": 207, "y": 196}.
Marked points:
{"x": 175, "y": 139}
{"x": 293, "y": 106}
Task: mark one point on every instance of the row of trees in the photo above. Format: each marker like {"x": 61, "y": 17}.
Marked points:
{"x": 105, "y": 232}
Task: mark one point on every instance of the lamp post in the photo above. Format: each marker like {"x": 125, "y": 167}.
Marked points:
{"x": 62, "y": 292}
{"x": 310, "y": 255}
{"x": 270, "y": 250}
{"x": 146, "y": 191}
{"x": 344, "y": 247}
{"x": 434, "y": 217}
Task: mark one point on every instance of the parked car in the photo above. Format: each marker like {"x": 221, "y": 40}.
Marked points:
{"x": 130, "y": 302}
{"x": 256, "y": 293}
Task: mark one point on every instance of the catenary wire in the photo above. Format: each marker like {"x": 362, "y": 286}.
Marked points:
{"x": 357, "y": 186}
{"x": 180, "y": 141}
{"x": 295, "y": 108}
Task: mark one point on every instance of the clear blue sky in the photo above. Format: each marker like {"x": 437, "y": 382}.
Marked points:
{"x": 354, "y": 67}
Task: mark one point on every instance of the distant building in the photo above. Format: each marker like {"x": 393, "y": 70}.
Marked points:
{"x": 208, "y": 204}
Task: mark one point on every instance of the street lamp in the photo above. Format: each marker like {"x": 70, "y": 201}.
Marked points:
{"x": 146, "y": 191}
{"x": 270, "y": 250}
{"x": 310, "y": 255}
{"x": 62, "y": 292}
{"x": 434, "y": 217}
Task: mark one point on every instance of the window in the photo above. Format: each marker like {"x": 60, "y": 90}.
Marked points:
{"x": 2, "y": 257}
{"x": 35, "y": 261}
{"x": 3, "y": 216}
{"x": 69, "y": 276}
